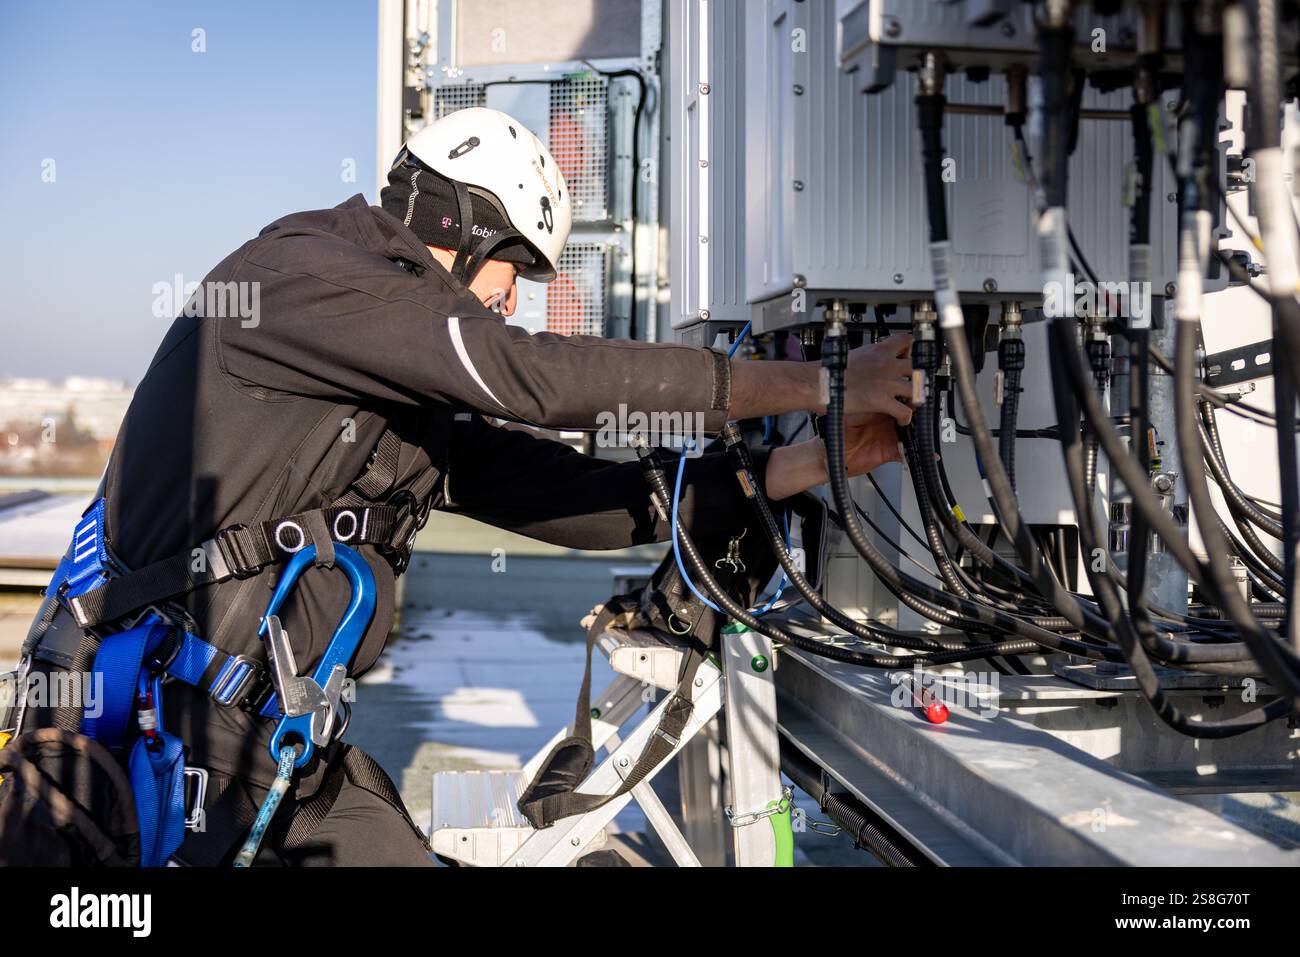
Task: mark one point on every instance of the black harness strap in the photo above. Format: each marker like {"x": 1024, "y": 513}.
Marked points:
{"x": 318, "y": 531}
{"x": 236, "y": 552}
{"x": 359, "y": 768}
{"x": 381, "y": 472}
{"x": 466, "y": 208}
{"x": 552, "y": 794}
{"x": 243, "y": 550}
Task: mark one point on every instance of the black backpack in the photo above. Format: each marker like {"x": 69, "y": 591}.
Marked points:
{"x": 65, "y": 802}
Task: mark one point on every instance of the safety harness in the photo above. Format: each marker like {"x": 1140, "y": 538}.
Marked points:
{"x": 138, "y": 647}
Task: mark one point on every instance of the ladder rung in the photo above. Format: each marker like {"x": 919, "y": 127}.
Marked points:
{"x": 650, "y": 656}
{"x": 475, "y": 816}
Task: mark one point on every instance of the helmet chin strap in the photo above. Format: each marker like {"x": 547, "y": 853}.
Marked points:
{"x": 470, "y": 256}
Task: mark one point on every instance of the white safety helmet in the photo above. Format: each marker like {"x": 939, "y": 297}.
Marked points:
{"x": 491, "y": 152}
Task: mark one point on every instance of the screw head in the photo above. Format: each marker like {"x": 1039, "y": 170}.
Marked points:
{"x": 898, "y": 279}
{"x": 758, "y": 663}
{"x": 1171, "y": 289}
{"x": 892, "y": 27}
{"x": 798, "y": 89}
{"x": 704, "y": 89}
{"x": 624, "y": 761}
{"x": 990, "y": 285}
{"x": 595, "y": 712}
{"x": 798, "y": 186}
{"x": 704, "y": 164}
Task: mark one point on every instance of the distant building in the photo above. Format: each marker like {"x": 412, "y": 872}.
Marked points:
{"x": 59, "y": 428}
{"x": 96, "y": 405}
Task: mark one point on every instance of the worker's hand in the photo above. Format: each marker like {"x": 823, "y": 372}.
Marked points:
{"x": 879, "y": 379}
{"x": 869, "y": 441}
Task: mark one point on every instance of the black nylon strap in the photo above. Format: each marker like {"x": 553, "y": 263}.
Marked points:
{"x": 319, "y": 533}
{"x": 466, "y": 208}
{"x": 308, "y": 815}
{"x": 238, "y": 551}
{"x": 356, "y": 767}
{"x": 552, "y": 795}
{"x": 485, "y": 248}
{"x": 241, "y": 551}
{"x": 382, "y": 470}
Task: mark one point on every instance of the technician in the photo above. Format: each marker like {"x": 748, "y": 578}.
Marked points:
{"x": 378, "y": 373}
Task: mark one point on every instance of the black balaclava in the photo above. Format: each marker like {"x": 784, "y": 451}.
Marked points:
{"x": 430, "y": 205}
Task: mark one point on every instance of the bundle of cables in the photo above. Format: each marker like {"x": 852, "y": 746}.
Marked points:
{"x": 993, "y": 606}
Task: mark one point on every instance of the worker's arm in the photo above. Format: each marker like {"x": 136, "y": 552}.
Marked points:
{"x": 513, "y": 479}
{"x": 878, "y": 380}
{"x": 519, "y": 481}
{"x": 334, "y": 327}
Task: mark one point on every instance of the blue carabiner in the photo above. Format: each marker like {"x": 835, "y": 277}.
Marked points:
{"x": 342, "y": 647}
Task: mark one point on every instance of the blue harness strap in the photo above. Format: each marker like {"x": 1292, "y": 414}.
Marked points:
{"x": 116, "y": 672}
{"x": 85, "y": 566}
{"x": 126, "y": 675}
{"x": 127, "y": 680}
{"x": 156, "y": 766}
{"x": 157, "y": 773}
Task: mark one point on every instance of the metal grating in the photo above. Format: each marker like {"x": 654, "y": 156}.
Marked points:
{"x": 460, "y": 96}
{"x": 575, "y": 301}
{"x": 579, "y": 141}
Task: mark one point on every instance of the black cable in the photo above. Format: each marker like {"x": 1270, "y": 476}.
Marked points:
{"x": 1232, "y": 494}
{"x": 743, "y": 463}
{"x": 1056, "y": 49}
{"x": 880, "y": 494}
{"x": 1108, "y": 595}
{"x": 1007, "y": 420}
{"x": 1215, "y": 449}
{"x": 654, "y": 472}
{"x": 904, "y": 587}
{"x": 869, "y": 831}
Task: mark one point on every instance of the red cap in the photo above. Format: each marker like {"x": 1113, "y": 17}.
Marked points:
{"x": 936, "y": 712}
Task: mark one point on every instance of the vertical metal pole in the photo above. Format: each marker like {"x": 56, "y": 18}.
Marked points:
{"x": 753, "y": 748}
{"x": 389, "y": 84}
{"x": 699, "y": 775}
{"x": 1168, "y": 580}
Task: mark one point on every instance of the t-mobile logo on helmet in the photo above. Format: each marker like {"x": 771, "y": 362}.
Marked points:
{"x": 483, "y": 231}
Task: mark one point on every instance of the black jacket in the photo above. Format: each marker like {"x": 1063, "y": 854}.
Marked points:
{"x": 358, "y": 330}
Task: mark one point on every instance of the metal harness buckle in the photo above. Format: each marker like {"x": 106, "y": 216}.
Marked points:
{"x": 240, "y": 565}
{"x": 240, "y": 674}
{"x": 194, "y": 805}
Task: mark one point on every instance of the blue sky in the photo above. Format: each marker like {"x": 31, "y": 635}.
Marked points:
{"x": 164, "y": 159}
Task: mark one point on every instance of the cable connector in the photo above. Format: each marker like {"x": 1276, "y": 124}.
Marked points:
{"x": 925, "y": 349}
{"x": 835, "y": 347}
